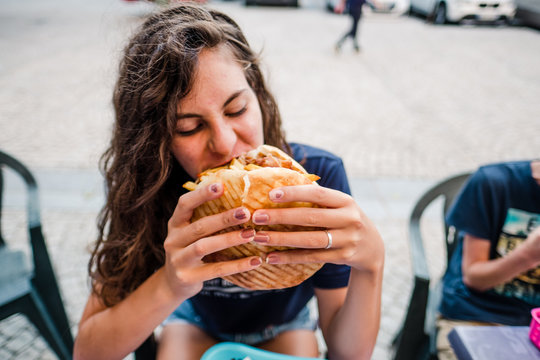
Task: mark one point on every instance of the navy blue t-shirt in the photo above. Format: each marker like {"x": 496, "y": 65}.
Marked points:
{"x": 500, "y": 203}
{"x": 227, "y": 308}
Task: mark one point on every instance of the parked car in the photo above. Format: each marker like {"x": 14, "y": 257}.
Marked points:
{"x": 528, "y": 12}
{"x": 443, "y": 11}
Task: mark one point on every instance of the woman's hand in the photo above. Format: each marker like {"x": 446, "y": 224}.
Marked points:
{"x": 187, "y": 243}
{"x": 355, "y": 240}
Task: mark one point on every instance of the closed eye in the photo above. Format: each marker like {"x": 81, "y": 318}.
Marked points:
{"x": 192, "y": 131}
{"x": 237, "y": 113}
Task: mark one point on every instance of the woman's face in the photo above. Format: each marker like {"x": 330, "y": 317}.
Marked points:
{"x": 220, "y": 118}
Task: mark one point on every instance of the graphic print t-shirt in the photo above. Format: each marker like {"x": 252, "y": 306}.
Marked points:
{"x": 517, "y": 226}
{"x": 499, "y": 203}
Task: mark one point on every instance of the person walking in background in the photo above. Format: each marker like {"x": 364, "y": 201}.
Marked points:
{"x": 494, "y": 275}
{"x": 354, "y": 9}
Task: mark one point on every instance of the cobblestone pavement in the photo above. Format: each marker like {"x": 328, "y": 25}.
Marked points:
{"x": 418, "y": 103}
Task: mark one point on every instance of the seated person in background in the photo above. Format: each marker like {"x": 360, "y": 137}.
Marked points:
{"x": 494, "y": 275}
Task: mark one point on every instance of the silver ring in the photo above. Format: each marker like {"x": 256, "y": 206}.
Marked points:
{"x": 329, "y": 239}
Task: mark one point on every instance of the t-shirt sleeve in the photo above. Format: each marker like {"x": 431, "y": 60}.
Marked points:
{"x": 335, "y": 177}
{"x": 324, "y": 164}
{"x": 473, "y": 210}
{"x": 332, "y": 276}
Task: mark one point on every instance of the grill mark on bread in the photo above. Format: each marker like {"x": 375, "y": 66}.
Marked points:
{"x": 247, "y": 184}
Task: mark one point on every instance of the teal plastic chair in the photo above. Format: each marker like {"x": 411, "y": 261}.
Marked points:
{"x": 237, "y": 351}
{"x": 29, "y": 287}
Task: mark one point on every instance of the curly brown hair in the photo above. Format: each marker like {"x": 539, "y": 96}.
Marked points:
{"x": 143, "y": 178}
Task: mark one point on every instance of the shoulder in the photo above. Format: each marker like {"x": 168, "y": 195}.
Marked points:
{"x": 504, "y": 174}
{"x": 491, "y": 183}
{"x": 303, "y": 153}
{"x": 329, "y": 167}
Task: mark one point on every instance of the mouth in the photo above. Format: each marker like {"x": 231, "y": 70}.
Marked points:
{"x": 218, "y": 165}
{"x": 222, "y": 162}
{"x": 225, "y": 163}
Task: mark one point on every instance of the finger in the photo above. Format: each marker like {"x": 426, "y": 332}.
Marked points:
{"x": 315, "y": 217}
{"x": 213, "y": 223}
{"x": 211, "y": 244}
{"x": 319, "y": 239}
{"x": 316, "y": 194}
{"x": 189, "y": 201}
{"x": 300, "y": 256}
{"x": 224, "y": 268}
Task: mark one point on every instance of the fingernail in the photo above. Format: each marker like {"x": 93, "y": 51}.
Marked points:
{"x": 272, "y": 259}
{"x": 247, "y": 233}
{"x": 261, "y": 237}
{"x": 260, "y": 218}
{"x": 215, "y": 188}
{"x": 256, "y": 261}
{"x": 240, "y": 214}
{"x": 276, "y": 194}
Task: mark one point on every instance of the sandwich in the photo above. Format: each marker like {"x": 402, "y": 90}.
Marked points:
{"x": 247, "y": 181}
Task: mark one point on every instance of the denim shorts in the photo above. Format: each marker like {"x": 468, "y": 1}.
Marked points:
{"x": 186, "y": 314}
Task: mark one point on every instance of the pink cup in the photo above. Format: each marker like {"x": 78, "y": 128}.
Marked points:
{"x": 534, "y": 333}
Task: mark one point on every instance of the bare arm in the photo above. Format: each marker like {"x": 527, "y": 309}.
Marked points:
{"x": 348, "y": 312}
{"x": 481, "y": 273}
{"x": 340, "y": 7}
{"x": 114, "y": 332}
{"x": 355, "y": 310}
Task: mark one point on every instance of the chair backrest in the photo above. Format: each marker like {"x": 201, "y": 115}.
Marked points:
{"x": 448, "y": 190}
{"x": 42, "y": 262}
{"x": 32, "y": 199}
{"x": 413, "y": 340}
{"x": 44, "y": 279}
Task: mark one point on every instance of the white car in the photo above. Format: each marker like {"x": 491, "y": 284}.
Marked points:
{"x": 528, "y": 12}
{"x": 442, "y": 11}
{"x": 379, "y": 6}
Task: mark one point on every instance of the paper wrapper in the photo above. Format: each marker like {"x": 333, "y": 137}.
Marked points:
{"x": 250, "y": 188}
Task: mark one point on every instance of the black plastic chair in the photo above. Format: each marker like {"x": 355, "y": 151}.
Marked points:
{"x": 416, "y": 338}
{"x": 147, "y": 350}
{"x": 32, "y": 290}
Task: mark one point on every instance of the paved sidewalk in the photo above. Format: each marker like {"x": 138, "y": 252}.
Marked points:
{"x": 419, "y": 103}
{"x": 70, "y": 200}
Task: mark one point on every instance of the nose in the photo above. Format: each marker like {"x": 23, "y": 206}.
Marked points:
{"x": 223, "y": 139}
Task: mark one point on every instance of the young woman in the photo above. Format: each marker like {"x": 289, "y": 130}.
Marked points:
{"x": 191, "y": 96}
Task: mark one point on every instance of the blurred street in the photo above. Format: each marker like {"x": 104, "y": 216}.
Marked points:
{"x": 417, "y": 104}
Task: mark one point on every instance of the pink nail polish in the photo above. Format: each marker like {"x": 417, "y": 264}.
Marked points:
{"x": 240, "y": 214}
{"x": 247, "y": 233}
{"x": 214, "y": 188}
{"x": 260, "y": 218}
{"x": 272, "y": 259}
{"x": 256, "y": 261}
{"x": 276, "y": 194}
{"x": 261, "y": 238}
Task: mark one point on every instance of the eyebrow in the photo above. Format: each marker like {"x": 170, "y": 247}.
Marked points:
{"x": 227, "y": 102}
